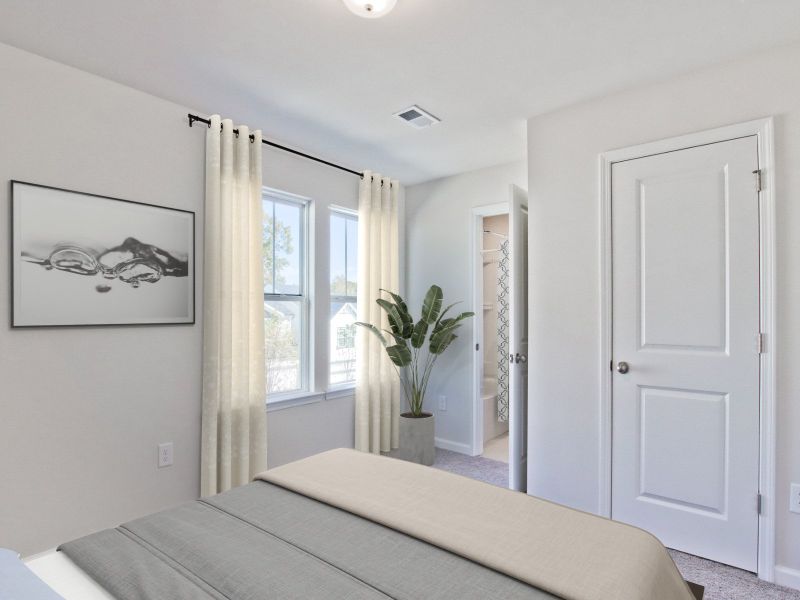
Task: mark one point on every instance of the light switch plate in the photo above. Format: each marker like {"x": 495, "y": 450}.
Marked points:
{"x": 165, "y": 454}
{"x": 442, "y": 402}
{"x": 794, "y": 498}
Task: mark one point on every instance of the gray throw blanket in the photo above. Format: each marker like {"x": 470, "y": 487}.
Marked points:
{"x": 261, "y": 541}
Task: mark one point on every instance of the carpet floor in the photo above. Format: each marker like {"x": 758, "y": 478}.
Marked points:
{"x": 721, "y": 581}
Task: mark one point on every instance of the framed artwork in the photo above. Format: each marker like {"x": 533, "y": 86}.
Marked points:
{"x": 81, "y": 259}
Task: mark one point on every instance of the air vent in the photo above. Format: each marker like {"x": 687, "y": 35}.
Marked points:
{"x": 417, "y": 117}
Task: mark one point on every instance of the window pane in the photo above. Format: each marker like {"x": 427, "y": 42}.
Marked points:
{"x": 266, "y": 246}
{"x": 337, "y": 254}
{"x": 352, "y": 257}
{"x": 283, "y": 332}
{"x": 342, "y": 334}
{"x": 283, "y": 227}
{"x": 342, "y": 342}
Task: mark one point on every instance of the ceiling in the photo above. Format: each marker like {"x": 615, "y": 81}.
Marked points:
{"x": 314, "y": 76}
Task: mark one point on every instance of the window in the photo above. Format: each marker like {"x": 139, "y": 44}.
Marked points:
{"x": 344, "y": 272}
{"x": 346, "y": 337}
{"x": 285, "y": 294}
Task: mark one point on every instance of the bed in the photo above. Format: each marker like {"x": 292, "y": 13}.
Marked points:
{"x": 349, "y": 525}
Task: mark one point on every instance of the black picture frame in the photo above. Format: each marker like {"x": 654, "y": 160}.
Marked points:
{"x": 144, "y": 265}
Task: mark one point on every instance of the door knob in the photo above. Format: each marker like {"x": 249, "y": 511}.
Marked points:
{"x": 521, "y": 358}
{"x": 623, "y": 367}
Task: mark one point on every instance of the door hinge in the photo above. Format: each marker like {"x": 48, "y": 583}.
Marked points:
{"x": 757, "y": 173}
{"x": 760, "y": 345}
{"x": 759, "y": 502}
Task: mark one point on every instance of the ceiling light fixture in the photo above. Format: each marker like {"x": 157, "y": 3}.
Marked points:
{"x": 370, "y": 9}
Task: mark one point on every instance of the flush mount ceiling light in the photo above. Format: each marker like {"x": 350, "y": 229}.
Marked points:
{"x": 370, "y": 9}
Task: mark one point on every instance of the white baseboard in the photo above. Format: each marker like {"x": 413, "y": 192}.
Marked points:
{"x": 454, "y": 446}
{"x": 787, "y": 577}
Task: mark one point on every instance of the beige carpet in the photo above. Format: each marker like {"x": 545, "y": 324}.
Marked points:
{"x": 721, "y": 581}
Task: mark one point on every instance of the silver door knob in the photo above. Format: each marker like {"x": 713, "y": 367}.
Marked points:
{"x": 521, "y": 358}
{"x": 623, "y": 367}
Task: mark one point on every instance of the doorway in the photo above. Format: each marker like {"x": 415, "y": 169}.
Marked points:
{"x": 500, "y": 334}
{"x": 495, "y": 257}
{"x": 688, "y": 398}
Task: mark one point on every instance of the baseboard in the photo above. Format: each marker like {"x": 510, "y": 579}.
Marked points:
{"x": 454, "y": 446}
{"x": 787, "y": 577}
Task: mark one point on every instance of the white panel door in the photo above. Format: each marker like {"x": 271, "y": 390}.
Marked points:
{"x": 518, "y": 341}
{"x": 685, "y": 442}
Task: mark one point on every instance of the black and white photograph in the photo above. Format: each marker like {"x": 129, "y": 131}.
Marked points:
{"x": 83, "y": 259}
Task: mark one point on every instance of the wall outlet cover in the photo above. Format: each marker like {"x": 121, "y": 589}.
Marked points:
{"x": 442, "y": 402}
{"x": 165, "y": 454}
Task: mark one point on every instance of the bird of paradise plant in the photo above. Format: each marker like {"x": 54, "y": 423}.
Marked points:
{"x": 414, "y": 347}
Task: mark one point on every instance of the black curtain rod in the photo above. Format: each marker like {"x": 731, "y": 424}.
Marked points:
{"x": 193, "y": 118}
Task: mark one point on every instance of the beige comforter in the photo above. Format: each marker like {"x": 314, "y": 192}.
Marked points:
{"x": 572, "y": 554}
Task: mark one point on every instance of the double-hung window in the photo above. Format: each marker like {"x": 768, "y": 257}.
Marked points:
{"x": 286, "y": 303}
{"x": 344, "y": 274}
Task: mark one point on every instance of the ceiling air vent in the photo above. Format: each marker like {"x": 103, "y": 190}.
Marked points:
{"x": 417, "y": 117}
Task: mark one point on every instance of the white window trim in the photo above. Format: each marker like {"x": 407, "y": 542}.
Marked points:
{"x": 313, "y": 344}
{"x": 352, "y": 214}
{"x": 290, "y": 400}
{"x": 306, "y": 262}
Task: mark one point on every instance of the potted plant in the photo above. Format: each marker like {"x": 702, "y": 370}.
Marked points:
{"x": 413, "y": 348}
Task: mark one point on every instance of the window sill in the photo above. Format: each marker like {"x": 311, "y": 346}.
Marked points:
{"x": 341, "y": 391}
{"x": 301, "y": 398}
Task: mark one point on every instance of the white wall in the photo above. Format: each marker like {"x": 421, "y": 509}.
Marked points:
{"x": 82, "y": 409}
{"x": 564, "y": 256}
{"x": 301, "y": 431}
{"x": 439, "y": 229}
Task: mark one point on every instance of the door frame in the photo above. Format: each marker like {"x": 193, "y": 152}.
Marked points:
{"x": 763, "y": 130}
{"x": 476, "y": 227}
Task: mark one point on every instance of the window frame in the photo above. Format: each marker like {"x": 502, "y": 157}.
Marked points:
{"x": 304, "y": 297}
{"x": 350, "y": 215}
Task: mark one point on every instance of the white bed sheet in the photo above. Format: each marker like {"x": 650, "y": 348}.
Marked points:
{"x": 65, "y": 577}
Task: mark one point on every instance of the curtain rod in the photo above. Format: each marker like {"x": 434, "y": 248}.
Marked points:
{"x": 193, "y": 118}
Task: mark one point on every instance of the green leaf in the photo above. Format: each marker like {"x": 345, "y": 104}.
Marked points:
{"x": 419, "y": 333}
{"x": 374, "y": 330}
{"x": 443, "y": 313}
{"x": 432, "y": 304}
{"x": 465, "y": 315}
{"x": 450, "y": 324}
{"x": 441, "y": 341}
{"x": 444, "y": 325}
{"x": 395, "y": 320}
{"x": 402, "y": 311}
{"x": 401, "y": 305}
{"x": 399, "y": 339}
{"x": 399, "y": 354}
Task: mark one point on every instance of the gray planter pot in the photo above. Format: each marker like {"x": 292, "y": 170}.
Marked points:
{"x": 417, "y": 439}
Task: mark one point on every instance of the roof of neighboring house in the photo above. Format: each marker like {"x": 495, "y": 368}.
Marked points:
{"x": 279, "y": 310}
{"x": 344, "y": 308}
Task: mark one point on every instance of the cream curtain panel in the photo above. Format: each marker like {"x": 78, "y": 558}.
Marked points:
{"x": 234, "y": 429}
{"x": 377, "y": 426}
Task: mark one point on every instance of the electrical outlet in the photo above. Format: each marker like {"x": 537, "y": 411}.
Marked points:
{"x": 442, "y": 402}
{"x": 165, "y": 454}
{"x": 794, "y": 498}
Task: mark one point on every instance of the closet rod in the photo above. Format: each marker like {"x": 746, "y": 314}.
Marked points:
{"x": 193, "y": 118}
